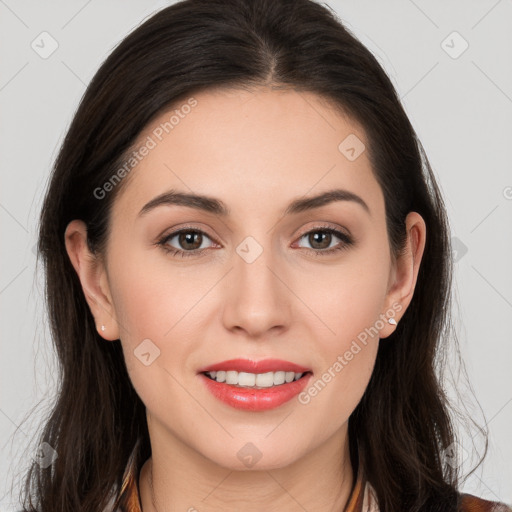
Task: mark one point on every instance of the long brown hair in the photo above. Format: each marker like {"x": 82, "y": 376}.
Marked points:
{"x": 402, "y": 428}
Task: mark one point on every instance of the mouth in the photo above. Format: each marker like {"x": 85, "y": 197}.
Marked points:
{"x": 255, "y": 392}
{"x": 255, "y": 380}
{"x": 255, "y": 385}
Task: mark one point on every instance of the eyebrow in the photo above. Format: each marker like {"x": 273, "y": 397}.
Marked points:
{"x": 217, "y": 207}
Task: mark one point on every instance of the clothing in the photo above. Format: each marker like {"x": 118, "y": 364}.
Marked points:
{"x": 362, "y": 498}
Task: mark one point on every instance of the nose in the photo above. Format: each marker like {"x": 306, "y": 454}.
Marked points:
{"x": 258, "y": 300}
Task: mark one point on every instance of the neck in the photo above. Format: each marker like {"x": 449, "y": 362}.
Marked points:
{"x": 322, "y": 481}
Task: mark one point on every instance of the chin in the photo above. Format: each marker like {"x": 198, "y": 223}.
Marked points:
{"x": 255, "y": 456}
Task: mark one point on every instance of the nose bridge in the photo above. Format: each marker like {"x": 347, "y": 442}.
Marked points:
{"x": 257, "y": 300}
{"x": 253, "y": 262}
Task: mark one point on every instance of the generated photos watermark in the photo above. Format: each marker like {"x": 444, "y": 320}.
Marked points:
{"x": 151, "y": 142}
{"x": 344, "y": 359}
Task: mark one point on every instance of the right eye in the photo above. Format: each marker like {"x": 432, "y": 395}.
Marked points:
{"x": 189, "y": 241}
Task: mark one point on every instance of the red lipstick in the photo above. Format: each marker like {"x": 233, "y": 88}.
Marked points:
{"x": 252, "y": 398}
{"x": 263, "y": 366}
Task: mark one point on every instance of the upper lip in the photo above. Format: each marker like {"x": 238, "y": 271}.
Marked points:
{"x": 249, "y": 366}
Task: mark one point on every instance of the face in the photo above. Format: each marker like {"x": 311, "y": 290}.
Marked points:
{"x": 312, "y": 286}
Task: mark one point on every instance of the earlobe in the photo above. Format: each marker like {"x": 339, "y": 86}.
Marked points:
{"x": 93, "y": 278}
{"x": 407, "y": 265}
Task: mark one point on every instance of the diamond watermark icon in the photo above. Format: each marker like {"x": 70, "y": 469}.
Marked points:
{"x": 351, "y": 147}
{"x": 455, "y": 455}
{"x": 454, "y": 45}
{"x": 249, "y": 455}
{"x": 44, "y": 45}
{"x": 146, "y": 352}
{"x": 45, "y": 455}
{"x": 459, "y": 249}
{"x": 249, "y": 249}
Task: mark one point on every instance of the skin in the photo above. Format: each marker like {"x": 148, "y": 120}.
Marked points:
{"x": 256, "y": 151}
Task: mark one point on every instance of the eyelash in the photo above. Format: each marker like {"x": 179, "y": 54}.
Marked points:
{"x": 347, "y": 241}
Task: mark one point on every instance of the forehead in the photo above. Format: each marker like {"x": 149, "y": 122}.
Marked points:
{"x": 250, "y": 147}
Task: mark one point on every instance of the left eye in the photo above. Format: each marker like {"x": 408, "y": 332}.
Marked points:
{"x": 320, "y": 236}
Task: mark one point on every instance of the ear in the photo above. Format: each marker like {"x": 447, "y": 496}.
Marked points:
{"x": 404, "y": 272}
{"x": 93, "y": 278}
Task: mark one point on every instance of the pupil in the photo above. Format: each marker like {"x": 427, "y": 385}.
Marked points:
{"x": 320, "y": 234}
{"x": 187, "y": 238}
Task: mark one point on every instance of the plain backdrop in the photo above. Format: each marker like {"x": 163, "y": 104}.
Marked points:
{"x": 451, "y": 63}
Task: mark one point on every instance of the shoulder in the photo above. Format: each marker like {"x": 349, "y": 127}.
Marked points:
{"x": 470, "y": 503}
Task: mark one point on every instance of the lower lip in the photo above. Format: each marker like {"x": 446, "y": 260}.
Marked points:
{"x": 251, "y": 399}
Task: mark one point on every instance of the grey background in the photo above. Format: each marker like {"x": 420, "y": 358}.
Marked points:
{"x": 462, "y": 111}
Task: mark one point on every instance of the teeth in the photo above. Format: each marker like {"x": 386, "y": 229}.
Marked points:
{"x": 255, "y": 380}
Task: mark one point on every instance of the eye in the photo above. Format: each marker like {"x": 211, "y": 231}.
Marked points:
{"x": 321, "y": 238}
{"x": 189, "y": 242}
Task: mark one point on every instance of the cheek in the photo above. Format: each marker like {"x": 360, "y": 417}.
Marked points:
{"x": 157, "y": 300}
{"x": 332, "y": 395}
{"x": 345, "y": 359}
{"x": 154, "y": 308}
{"x": 153, "y": 297}
{"x": 348, "y": 300}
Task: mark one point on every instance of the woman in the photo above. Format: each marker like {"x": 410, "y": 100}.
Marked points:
{"x": 248, "y": 277}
